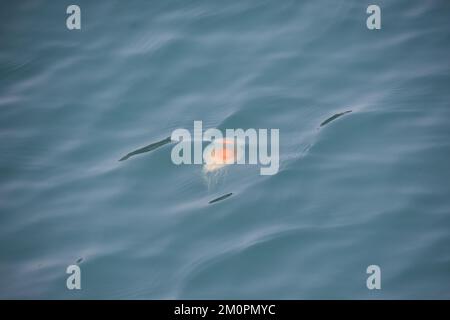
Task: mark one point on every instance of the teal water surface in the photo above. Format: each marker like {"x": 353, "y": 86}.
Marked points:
{"x": 370, "y": 186}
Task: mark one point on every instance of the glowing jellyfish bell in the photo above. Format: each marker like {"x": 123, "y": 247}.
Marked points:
{"x": 220, "y": 153}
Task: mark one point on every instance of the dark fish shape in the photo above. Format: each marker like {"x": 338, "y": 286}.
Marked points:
{"x": 148, "y": 148}
{"x": 221, "y": 198}
{"x": 80, "y": 260}
{"x": 337, "y": 115}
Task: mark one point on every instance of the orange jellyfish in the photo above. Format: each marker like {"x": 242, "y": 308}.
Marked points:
{"x": 219, "y": 153}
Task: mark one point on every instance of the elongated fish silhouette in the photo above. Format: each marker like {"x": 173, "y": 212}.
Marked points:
{"x": 221, "y": 198}
{"x": 148, "y": 148}
{"x": 337, "y": 115}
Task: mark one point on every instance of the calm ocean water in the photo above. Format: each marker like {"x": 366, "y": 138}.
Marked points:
{"x": 369, "y": 187}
